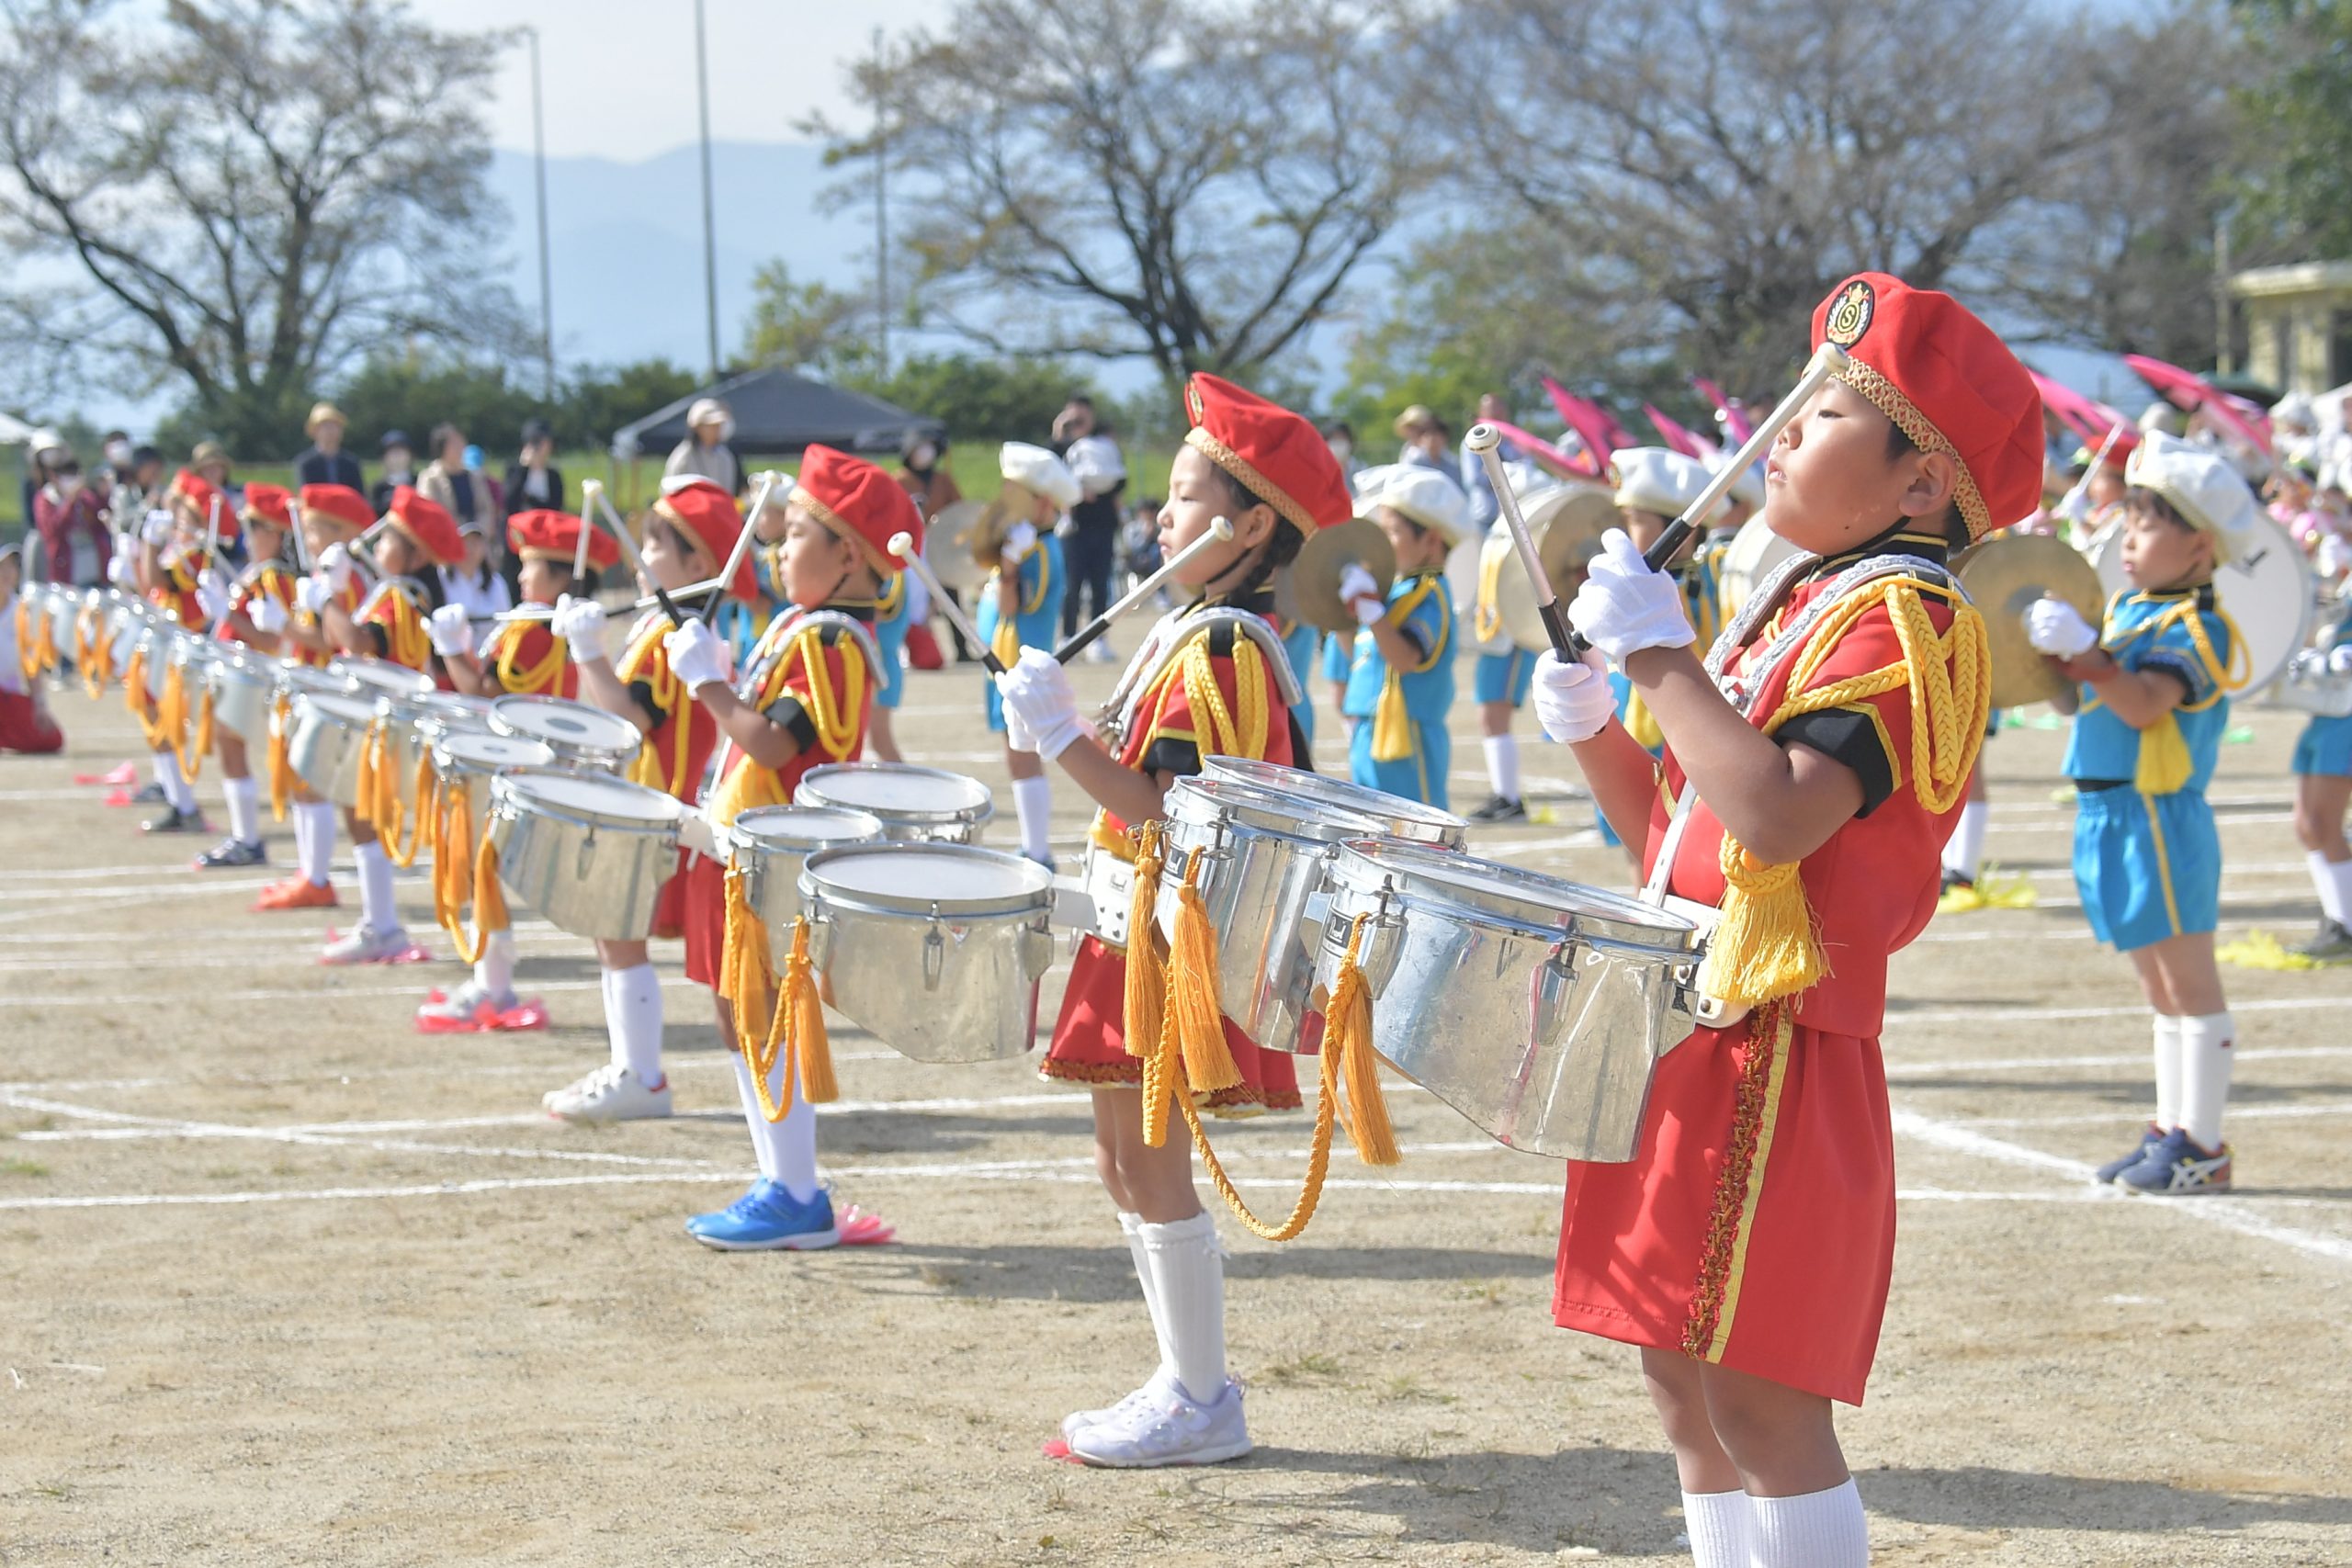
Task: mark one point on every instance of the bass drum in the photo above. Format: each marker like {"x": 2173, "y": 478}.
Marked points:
{"x": 1755, "y": 554}
{"x": 2268, "y": 589}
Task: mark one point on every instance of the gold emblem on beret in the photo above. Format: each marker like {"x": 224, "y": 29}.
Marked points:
{"x": 1849, "y": 318}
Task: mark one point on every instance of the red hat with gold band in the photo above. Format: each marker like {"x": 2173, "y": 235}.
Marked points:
{"x": 428, "y": 525}
{"x": 2118, "y": 451}
{"x": 203, "y": 495}
{"x": 269, "y": 505}
{"x": 858, "y": 502}
{"x": 543, "y": 534}
{"x": 709, "y": 515}
{"x": 1949, "y": 383}
{"x": 1276, "y": 455}
{"x": 338, "y": 505}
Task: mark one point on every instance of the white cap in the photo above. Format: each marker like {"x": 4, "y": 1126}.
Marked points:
{"x": 1651, "y": 479}
{"x": 1035, "y": 469}
{"x": 704, "y": 411}
{"x": 1748, "y": 486}
{"x": 2200, "y": 485}
{"x": 1422, "y": 493}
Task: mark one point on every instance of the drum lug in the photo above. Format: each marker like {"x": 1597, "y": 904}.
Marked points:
{"x": 585, "y": 855}
{"x": 935, "y": 952}
{"x": 1036, "y": 951}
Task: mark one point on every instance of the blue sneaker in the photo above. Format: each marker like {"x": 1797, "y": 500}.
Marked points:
{"x": 766, "y": 1219}
{"x": 2149, "y": 1139}
{"x": 2178, "y": 1167}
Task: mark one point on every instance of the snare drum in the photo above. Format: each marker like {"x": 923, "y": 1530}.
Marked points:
{"x": 452, "y": 712}
{"x": 381, "y": 678}
{"x": 1536, "y": 1007}
{"x": 768, "y": 845}
{"x": 465, "y": 763}
{"x": 934, "y": 949}
{"x": 582, "y": 735}
{"x": 918, "y": 806}
{"x": 590, "y": 853}
{"x": 1398, "y": 818}
{"x": 323, "y": 747}
{"x": 244, "y": 686}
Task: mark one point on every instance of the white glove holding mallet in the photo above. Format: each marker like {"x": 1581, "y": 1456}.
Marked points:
{"x": 2057, "y": 628}
{"x": 1036, "y": 692}
{"x": 1624, "y": 607}
{"x": 1360, "y": 590}
{"x": 698, "y": 656}
{"x": 313, "y": 595}
{"x": 334, "y": 565}
{"x": 581, "y": 624}
{"x": 266, "y": 613}
{"x": 212, "y": 594}
{"x": 156, "y": 527}
{"x": 1019, "y": 540}
{"x": 2339, "y": 660}
{"x": 451, "y": 633}
{"x": 121, "y": 573}
{"x": 1572, "y": 701}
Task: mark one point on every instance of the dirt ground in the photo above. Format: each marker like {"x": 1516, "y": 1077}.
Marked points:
{"x": 283, "y": 1280}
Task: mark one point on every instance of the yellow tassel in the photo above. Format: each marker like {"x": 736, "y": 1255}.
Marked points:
{"x": 1005, "y": 643}
{"x": 202, "y": 745}
{"x": 1146, "y": 993}
{"x": 1391, "y": 727}
{"x": 1193, "y": 1006}
{"x": 1765, "y": 947}
{"x": 490, "y": 899}
{"x": 281, "y": 764}
{"x": 411, "y": 822}
{"x": 746, "y": 976}
{"x": 2164, "y": 763}
{"x": 1347, "y": 1031}
{"x": 812, "y": 1052}
{"x": 1642, "y": 724}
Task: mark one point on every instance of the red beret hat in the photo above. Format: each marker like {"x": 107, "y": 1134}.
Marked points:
{"x": 339, "y": 504}
{"x": 709, "y": 515}
{"x": 201, "y": 493}
{"x": 859, "y": 501}
{"x": 543, "y": 534}
{"x": 1276, "y": 455}
{"x": 1949, "y": 383}
{"x": 429, "y": 524}
{"x": 267, "y": 503}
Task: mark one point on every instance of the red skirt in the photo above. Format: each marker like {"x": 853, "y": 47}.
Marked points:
{"x": 24, "y": 726}
{"x": 669, "y": 902}
{"x": 701, "y": 898}
{"x": 1089, "y": 1043}
{"x": 1755, "y": 1229}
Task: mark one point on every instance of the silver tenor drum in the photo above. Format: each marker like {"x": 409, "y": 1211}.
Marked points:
{"x": 587, "y": 851}
{"x": 243, "y": 686}
{"x": 1398, "y": 818}
{"x": 452, "y": 712}
{"x": 1536, "y": 1007}
{"x": 324, "y": 745}
{"x": 466, "y": 763}
{"x": 768, "y": 845}
{"x": 582, "y": 735}
{"x": 919, "y": 806}
{"x": 934, "y": 949}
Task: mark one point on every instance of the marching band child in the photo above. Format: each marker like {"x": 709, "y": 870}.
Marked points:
{"x": 2323, "y": 769}
{"x": 689, "y": 534}
{"x": 2154, "y": 704}
{"x": 1400, "y": 679}
{"x": 1817, "y": 763}
{"x": 169, "y": 564}
{"x": 800, "y": 702}
{"x": 236, "y": 608}
{"x": 418, "y": 535}
{"x": 1021, "y": 607}
{"x": 1499, "y": 682}
{"x": 329, "y": 515}
{"x": 25, "y": 722}
{"x": 1217, "y": 690}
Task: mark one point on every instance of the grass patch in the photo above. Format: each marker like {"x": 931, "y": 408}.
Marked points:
{"x": 22, "y": 1167}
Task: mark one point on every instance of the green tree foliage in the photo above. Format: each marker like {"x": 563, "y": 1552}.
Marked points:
{"x": 980, "y": 399}
{"x": 808, "y": 327}
{"x": 2300, "y": 107}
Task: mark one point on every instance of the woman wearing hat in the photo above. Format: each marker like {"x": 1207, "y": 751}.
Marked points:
{"x": 533, "y": 481}
{"x": 324, "y": 462}
{"x": 705, "y": 453}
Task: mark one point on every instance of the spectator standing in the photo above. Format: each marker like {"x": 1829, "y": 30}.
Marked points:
{"x": 924, "y": 473}
{"x": 138, "y": 486}
{"x": 533, "y": 481}
{"x": 75, "y": 545}
{"x": 1091, "y": 538}
{"x": 1341, "y": 437}
{"x": 448, "y": 483}
{"x": 473, "y": 582}
{"x": 43, "y": 447}
{"x": 705, "y": 453}
{"x": 1472, "y": 475}
{"x": 324, "y": 462}
{"x": 399, "y": 469}
{"x": 1428, "y": 444}
{"x": 211, "y": 461}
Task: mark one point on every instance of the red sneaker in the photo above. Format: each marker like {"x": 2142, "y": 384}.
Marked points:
{"x": 297, "y": 892}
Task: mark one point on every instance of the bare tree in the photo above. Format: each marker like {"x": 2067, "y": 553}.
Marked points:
{"x": 243, "y": 200}
{"x": 1192, "y": 181}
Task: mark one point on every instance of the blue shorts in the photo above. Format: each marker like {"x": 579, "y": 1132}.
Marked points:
{"x": 2148, "y": 867}
{"x": 1504, "y": 677}
{"x": 1420, "y": 776}
{"x": 2325, "y": 747}
{"x": 995, "y": 708}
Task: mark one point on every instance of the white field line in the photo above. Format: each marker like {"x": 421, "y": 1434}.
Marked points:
{"x": 1908, "y": 1066}
{"x": 2129, "y": 1118}
{"x": 1897, "y": 1021}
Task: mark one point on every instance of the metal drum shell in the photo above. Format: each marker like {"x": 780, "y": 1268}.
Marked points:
{"x": 571, "y": 728}
{"x": 243, "y": 686}
{"x": 322, "y": 742}
{"x": 837, "y": 784}
{"x": 2308, "y": 687}
{"x": 934, "y": 980}
{"x": 471, "y": 774}
{"x": 159, "y": 640}
{"x": 594, "y": 871}
{"x": 1398, "y": 817}
{"x": 1543, "y": 1033}
{"x": 769, "y": 844}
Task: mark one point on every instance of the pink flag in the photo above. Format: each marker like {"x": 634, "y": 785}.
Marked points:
{"x": 1678, "y": 437}
{"x": 2189, "y": 390}
{"x": 2087, "y": 418}
{"x": 1601, "y": 434}
{"x": 1734, "y": 419}
{"x": 1548, "y": 457}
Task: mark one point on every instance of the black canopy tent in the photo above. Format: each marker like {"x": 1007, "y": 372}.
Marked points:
{"x": 778, "y": 413}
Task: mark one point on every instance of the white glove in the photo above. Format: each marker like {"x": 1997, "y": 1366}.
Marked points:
{"x": 1573, "y": 702}
{"x": 334, "y": 565}
{"x": 313, "y": 595}
{"x": 698, "y": 656}
{"x": 121, "y": 573}
{"x": 2056, "y": 627}
{"x": 451, "y": 633}
{"x": 581, "y": 624}
{"x": 156, "y": 528}
{"x": 266, "y": 613}
{"x": 2339, "y": 660}
{"x": 212, "y": 594}
{"x": 1019, "y": 540}
{"x": 1360, "y": 590}
{"x": 2331, "y": 557}
{"x": 1037, "y": 697}
{"x": 1624, "y": 607}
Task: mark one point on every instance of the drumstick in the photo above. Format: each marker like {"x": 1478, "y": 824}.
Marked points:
{"x": 1485, "y": 439}
{"x": 301, "y": 546}
{"x": 742, "y": 542}
{"x": 903, "y": 546}
{"x": 212, "y": 554}
{"x": 1220, "y": 532}
{"x": 579, "y": 550}
{"x": 2081, "y": 487}
{"x": 593, "y": 490}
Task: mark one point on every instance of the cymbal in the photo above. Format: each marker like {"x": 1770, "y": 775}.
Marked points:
{"x": 1567, "y": 524}
{"x": 1309, "y": 589}
{"x": 947, "y": 544}
{"x": 2004, "y": 576}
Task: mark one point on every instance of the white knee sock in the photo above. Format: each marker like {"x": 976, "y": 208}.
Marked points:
{"x": 2334, "y": 880}
{"x": 1502, "y": 764}
{"x": 2207, "y": 1050}
{"x": 242, "y": 797}
{"x": 633, "y": 1021}
{"x": 1820, "y": 1529}
{"x": 1132, "y": 1227}
{"x": 1722, "y": 1528}
{"x": 494, "y": 970}
{"x": 1032, "y": 803}
{"x": 1964, "y": 850}
{"x": 314, "y": 840}
{"x": 787, "y": 1149}
{"x": 2167, "y": 1044}
{"x": 1188, "y": 1272}
{"x": 178, "y": 794}
{"x": 376, "y": 904}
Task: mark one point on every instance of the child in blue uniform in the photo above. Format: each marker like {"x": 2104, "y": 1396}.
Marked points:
{"x": 1299, "y": 641}
{"x": 890, "y": 623}
{"x": 1020, "y": 606}
{"x": 2155, "y": 702}
{"x": 2322, "y": 789}
{"x": 1400, "y": 679}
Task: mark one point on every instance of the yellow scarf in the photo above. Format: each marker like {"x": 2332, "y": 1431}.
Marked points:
{"x": 2164, "y": 764}
{"x": 1392, "y": 727}
{"x": 835, "y": 718}
{"x": 646, "y": 661}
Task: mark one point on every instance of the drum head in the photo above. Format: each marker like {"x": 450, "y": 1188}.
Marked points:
{"x": 594, "y": 796}
{"x": 566, "y": 726}
{"x": 1398, "y": 818}
{"x": 895, "y": 792}
{"x": 2268, "y": 589}
{"x": 1512, "y": 893}
{"x": 1206, "y": 797}
{"x": 491, "y": 753}
{"x": 806, "y": 827}
{"x": 384, "y": 677}
{"x": 955, "y": 879}
{"x": 339, "y": 708}
{"x": 455, "y": 711}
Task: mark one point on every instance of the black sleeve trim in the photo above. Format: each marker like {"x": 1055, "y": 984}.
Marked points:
{"x": 641, "y": 693}
{"x": 1169, "y": 755}
{"x": 1851, "y": 739}
{"x": 787, "y": 713}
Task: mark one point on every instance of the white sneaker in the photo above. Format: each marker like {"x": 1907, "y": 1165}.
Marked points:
{"x": 1160, "y": 1385}
{"x": 1170, "y": 1430}
{"x": 460, "y": 1005}
{"x": 611, "y": 1093}
{"x": 365, "y": 944}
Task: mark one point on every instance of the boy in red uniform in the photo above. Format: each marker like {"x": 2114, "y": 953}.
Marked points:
{"x": 801, "y": 700}
{"x": 238, "y": 609}
{"x": 689, "y": 534}
{"x": 1818, "y": 758}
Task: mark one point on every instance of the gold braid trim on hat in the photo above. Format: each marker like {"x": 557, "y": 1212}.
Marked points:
{"x": 1890, "y": 400}
{"x": 1256, "y": 483}
{"x": 840, "y": 525}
